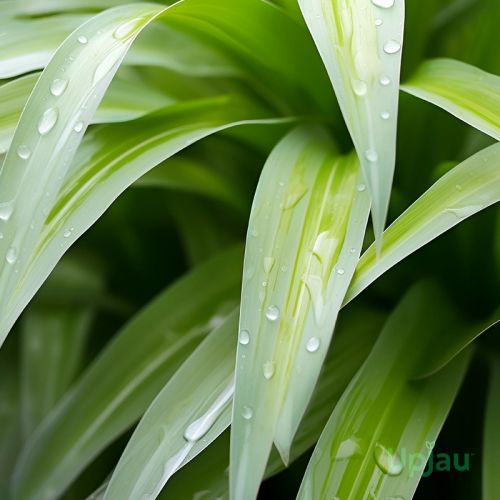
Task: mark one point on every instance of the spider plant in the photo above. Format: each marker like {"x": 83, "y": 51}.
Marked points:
{"x": 212, "y": 275}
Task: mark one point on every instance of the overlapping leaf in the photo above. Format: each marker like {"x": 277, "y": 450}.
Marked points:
{"x": 305, "y": 234}
{"x": 381, "y": 433}
{"x": 360, "y": 44}
{"x": 111, "y": 396}
{"x": 463, "y": 90}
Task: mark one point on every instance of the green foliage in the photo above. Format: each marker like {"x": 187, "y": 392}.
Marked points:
{"x": 143, "y": 355}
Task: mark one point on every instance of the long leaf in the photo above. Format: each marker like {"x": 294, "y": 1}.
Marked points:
{"x": 305, "y": 234}
{"x": 465, "y": 190}
{"x": 360, "y": 44}
{"x": 110, "y": 396}
{"x": 463, "y": 90}
{"x": 190, "y": 412}
{"x": 381, "y": 433}
{"x": 356, "y": 333}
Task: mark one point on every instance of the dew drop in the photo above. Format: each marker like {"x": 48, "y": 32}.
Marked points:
{"x": 24, "y": 152}
{"x": 82, "y": 39}
{"x": 244, "y": 337}
{"x": 272, "y": 313}
{"x": 347, "y": 449}
{"x": 11, "y": 256}
{"x": 378, "y": 22}
{"x": 458, "y": 187}
{"x": 360, "y": 87}
{"x": 313, "y": 344}
{"x": 68, "y": 232}
{"x": 268, "y": 370}
{"x": 47, "y": 121}
{"x": 464, "y": 212}
{"x": 107, "y": 64}
{"x": 385, "y": 115}
{"x": 268, "y": 264}
{"x": 340, "y": 271}
{"x": 352, "y": 250}
{"x": 126, "y": 29}
{"x": 384, "y": 80}
{"x": 78, "y": 127}
{"x": 361, "y": 187}
{"x": 247, "y": 412}
{"x": 371, "y": 155}
{"x": 1, "y": 236}
{"x": 58, "y": 87}
{"x": 387, "y": 462}
{"x": 392, "y": 47}
{"x": 6, "y": 210}
{"x": 384, "y": 4}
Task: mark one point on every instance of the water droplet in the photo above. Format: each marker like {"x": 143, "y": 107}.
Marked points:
{"x": 68, "y": 232}
{"x": 371, "y": 155}
{"x": 6, "y": 210}
{"x": 340, "y": 271}
{"x": 360, "y": 87}
{"x": 1, "y": 236}
{"x": 82, "y": 39}
{"x": 11, "y": 256}
{"x": 47, "y": 121}
{"x": 384, "y": 4}
{"x": 361, "y": 187}
{"x": 272, "y": 313}
{"x": 254, "y": 233}
{"x": 197, "y": 429}
{"x": 297, "y": 192}
{"x": 385, "y": 115}
{"x": 313, "y": 344}
{"x": 268, "y": 264}
{"x": 58, "y": 87}
{"x": 384, "y": 80}
{"x": 268, "y": 370}
{"x": 378, "y": 22}
{"x": 464, "y": 212}
{"x": 78, "y": 127}
{"x": 458, "y": 187}
{"x": 244, "y": 337}
{"x": 388, "y": 462}
{"x": 24, "y": 152}
{"x": 392, "y": 47}
{"x": 107, "y": 64}
{"x": 247, "y": 412}
{"x": 126, "y": 29}
{"x": 347, "y": 449}
{"x": 352, "y": 250}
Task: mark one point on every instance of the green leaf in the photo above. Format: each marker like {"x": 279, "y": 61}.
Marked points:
{"x": 360, "y": 44}
{"x": 468, "y": 188}
{"x": 305, "y": 234}
{"x": 463, "y": 90}
{"x": 53, "y": 340}
{"x": 356, "y": 333}
{"x": 111, "y": 396}
{"x": 491, "y": 439}
{"x": 381, "y": 433}
{"x": 190, "y": 412}
{"x": 125, "y": 99}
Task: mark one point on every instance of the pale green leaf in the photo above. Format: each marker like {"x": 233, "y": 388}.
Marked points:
{"x": 111, "y": 396}
{"x": 305, "y": 233}
{"x": 382, "y": 431}
{"x": 190, "y": 412}
{"x": 53, "y": 340}
{"x": 356, "y": 332}
{"x": 469, "y": 93}
{"x": 360, "y": 44}
{"x": 125, "y": 99}
{"x": 468, "y": 188}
